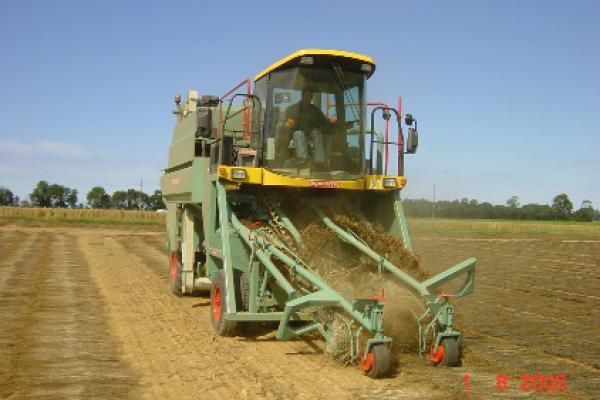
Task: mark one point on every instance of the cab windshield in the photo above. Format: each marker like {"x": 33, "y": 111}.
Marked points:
{"x": 316, "y": 115}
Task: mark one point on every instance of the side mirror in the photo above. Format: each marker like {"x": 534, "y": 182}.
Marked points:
{"x": 409, "y": 119}
{"x": 412, "y": 141}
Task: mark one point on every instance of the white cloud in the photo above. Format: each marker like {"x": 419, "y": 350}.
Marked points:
{"x": 41, "y": 148}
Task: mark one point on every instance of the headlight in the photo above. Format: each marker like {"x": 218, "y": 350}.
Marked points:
{"x": 238, "y": 173}
{"x": 390, "y": 183}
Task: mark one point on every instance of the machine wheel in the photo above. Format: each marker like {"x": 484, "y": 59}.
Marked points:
{"x": 377, "y": 363}
{"x": 218, "y": 308}
{"x": 176, "y": 271}
{"x": 448, "y": 353}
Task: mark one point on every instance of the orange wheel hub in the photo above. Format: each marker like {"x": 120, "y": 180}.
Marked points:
{"x": 173, "y": 266}
{"x": 367, "y": 362}
{"x": 216, "y": 303}
{"x": 437, "y": 357}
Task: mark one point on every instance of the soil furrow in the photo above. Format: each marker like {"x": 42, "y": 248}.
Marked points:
{"x": 56, "y": 342}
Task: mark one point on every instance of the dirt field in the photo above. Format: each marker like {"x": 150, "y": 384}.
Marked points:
{"x": 85, "y": 312}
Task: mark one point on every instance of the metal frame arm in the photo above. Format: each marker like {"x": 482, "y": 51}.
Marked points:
{"x": 467, "y": 266}
{"x": 424, "y": 288}
{"x": 348, "y": 238}
{"x": 326, "y": 293}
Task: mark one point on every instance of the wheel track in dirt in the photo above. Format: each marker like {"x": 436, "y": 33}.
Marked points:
{"x": 11, "y": 244}
{"x": 17, "y": 252}
{"x": 55, "y": 342}
{"x": 191, "y": 360}
{"x": 147, "y": 250}
{"x": 173, "y": 323}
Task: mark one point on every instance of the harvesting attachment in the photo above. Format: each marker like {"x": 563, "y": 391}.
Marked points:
{"x": 248, "y": 183}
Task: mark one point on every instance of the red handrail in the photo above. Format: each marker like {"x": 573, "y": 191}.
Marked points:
{"x": 248, "y": 84}
{"x": 400, "y": 136}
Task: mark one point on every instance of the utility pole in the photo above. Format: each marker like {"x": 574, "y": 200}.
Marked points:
{"x": 141, "y": 191}
{"x": 433, "y": 208}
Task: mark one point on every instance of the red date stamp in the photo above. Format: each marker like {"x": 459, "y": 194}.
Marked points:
{"x": 528, "y": 382}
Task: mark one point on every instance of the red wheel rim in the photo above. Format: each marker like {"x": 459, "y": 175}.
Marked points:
{"x": 437, "y": 357}
{"x": 367, "y": 362}
{"x": 216, "y": 303}
{"x": 173, "y": 267}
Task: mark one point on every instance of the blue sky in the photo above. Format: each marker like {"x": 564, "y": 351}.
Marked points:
{"x": 507, "y": 93}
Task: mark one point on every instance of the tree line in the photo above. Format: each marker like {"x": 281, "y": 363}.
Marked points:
{"x": 55, "y": 195}
{"x": 59, "y": 196}
{"x": 561, "y": 209}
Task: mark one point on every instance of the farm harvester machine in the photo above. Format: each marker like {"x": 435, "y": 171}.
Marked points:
{"x": 300, "y": 136}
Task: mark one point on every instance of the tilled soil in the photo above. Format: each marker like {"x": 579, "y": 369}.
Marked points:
{"x": 535, "y": 310}
{"x": 54, "y": 337}
{"x": 86, "y": 313}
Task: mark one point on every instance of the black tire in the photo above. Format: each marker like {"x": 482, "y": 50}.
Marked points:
{"x": 218, "y": 307}
{"x": 380, "y": 366}
{"x": 176, "y": 268}
{"x": 452, "y": 352}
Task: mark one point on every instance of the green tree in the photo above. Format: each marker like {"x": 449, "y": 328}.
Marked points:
{"x": 513, "y": 202}
{"x": 53, "y": 195}
{"x": 119, "y": 199}
{"x": 562, "y": 206}
{"x": 72, "y": 197}
{"x": 585, "y": 213}
{"x": 59, "y": 195}
{"x": 536, "y": 212}
{"x": 156, "y": 201}
{"x": 98, "y": 198}
{"x": 485, "y": 210}
{"x": 137, "y": 200}
{"x": 7, "y": 198}
{"x": 40, "y": 197}
{"x": 131, "y": 199}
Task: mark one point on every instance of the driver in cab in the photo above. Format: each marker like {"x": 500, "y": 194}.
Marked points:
{"x": 305, "y": 116}
{"x": 304, "y": 123}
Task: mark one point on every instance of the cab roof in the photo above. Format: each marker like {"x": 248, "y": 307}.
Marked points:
{"x": 345, "y": 57}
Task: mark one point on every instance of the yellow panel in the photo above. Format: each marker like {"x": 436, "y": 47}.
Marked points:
{"x": 314, "y": 52}
{"x": 273, "y": 179}
{"x": 261, "y": 176}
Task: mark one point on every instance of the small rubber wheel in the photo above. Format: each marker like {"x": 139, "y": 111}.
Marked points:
{"x": 376, "y": 364}
{"x": 448, "y": 353}
{"x": 218, "y": 308}
{"x": 176, "y": 272}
